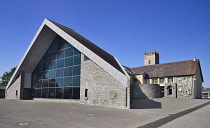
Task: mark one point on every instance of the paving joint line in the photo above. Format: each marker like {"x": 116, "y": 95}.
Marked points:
{"x": 172, "y": 117}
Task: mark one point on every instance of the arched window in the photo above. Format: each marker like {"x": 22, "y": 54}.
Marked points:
{"x": 149, "y": 62}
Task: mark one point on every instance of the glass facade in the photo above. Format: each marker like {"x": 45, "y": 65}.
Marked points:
{"x": 57, "y": 75}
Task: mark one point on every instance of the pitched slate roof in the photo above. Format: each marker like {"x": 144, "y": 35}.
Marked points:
{"x": 181, "y": 68}
{"x": 100, "y": 52}
{"x": 205, "y": 89}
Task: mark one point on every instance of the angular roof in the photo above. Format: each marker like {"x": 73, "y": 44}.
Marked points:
{"x": 181, "y": 68}
{"x": 100, "y": 52}
{"x": 43, "y": 39}
{"x": 205, "y": 89}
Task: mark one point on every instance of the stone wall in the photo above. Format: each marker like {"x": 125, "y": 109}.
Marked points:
{"x": 173, "y": 88}
{"x": 13, "y": 92}
{"x": 184, "y": 86}
{"x": 102, "y": 89}
{"x": 145, "y": 91}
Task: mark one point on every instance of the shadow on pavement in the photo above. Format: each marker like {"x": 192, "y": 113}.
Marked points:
{"x": 144, "y": 104}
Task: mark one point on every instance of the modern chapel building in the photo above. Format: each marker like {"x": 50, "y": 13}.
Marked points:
{"x": 62, "y": 64}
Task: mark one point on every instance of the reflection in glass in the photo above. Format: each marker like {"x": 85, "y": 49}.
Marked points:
{"x": 67, "y": 94}
{"x": 60, "y": 63}
{"x": 51, "y": 93}
{"x": 59, "y": 93}
{"x": 68, "y": 52}
{"x": 37, "y": 93}
{"x": 61, "y": 54}
{"x": 68, "y": 61}
{"x": 76, "y": 52}
{"x": 59, "y": 82}
{"x": 39, "y": 84}
{"x": 52, "y": 74}
{"x": 58, "y": 73}
{"x": 45, "y": 83}
{"x": 68, "y": 71}
{"x": 51, "y": 82}
{"x": 53, "y": 65}
{"x": 44, "y": 92}
{"x": 77, "y": 60}
{"x": 76, "y": 70}
{"x": 68, "y": 81}
{"x": 76, "y": 81}
{"x": 76, "y": 94}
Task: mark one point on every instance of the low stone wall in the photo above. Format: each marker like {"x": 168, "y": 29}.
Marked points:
{"x": 13, "y": 92}
{"x": 145, "y": 91}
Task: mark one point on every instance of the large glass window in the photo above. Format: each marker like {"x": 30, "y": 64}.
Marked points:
{"x": 58, "y": 73}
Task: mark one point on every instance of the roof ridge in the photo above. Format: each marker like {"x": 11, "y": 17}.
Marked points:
{"x": 165, "y": 63}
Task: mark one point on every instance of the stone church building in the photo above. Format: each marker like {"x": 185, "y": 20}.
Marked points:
{"x": 182, "y": 79}
{"x": 61, "y": 64}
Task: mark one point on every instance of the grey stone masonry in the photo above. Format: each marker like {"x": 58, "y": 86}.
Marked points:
{"x": 99, "y": 88}
{"x": 184, "y": 86}
{"x": 170, "y": 90}
{"x": 13, "y": 92}
{"x": 145, "y": 91}
{"x": 151, "y": 58}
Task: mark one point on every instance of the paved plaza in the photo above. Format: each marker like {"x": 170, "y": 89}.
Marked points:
{"x": 161, "y": 112}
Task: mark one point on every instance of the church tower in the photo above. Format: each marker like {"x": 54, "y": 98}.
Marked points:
{"x": 151, "y": 58}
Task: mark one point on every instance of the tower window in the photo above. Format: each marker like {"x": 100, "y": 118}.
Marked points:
{"x": 149, "y": 62}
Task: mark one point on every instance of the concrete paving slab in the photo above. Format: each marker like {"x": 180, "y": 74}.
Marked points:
{"x": 54, "y": 114}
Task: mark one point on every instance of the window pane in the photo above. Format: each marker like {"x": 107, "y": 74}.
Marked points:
{"x": 76, "y": 93}
{"x": 76, "y": 52}
{"x": 37, "y": 93}
{"x": 76, "y": 70}
{"x": 53, "y": 56}
{"x": 77, "y": 60}
{"x": 161, "y": 80}
{"x": 69, "y": 61}
{"x": 52, "y": 74}
{"x": 68, "y": 71}
{"x": 53, "y": 65}
{"x": 62, "y": 43}
{"x": 59, "y": 93}
{"x": 76, "y": 81}
{"x": 39, "y": 75}
{"x": 44, "y": 92}
{"x": 68, "y": 52}
{"x": 59, "y": 73}
{"x": 51, "y": 82}
{"x": 46, "y": 75}
{"x": 51, "y": 93}
{"x": 40, "y": 66}
{"x": 45, "y": 83}
{"x": 60, "y": 63}
{"x": 46, "y": 66}
{"x": 54, "y": 46}
{"x": 68, "y": 81}
{"x": 68, "y": 45}
{"x": 67, "y": 93}
{"x": 39, "y": 84}
{"x": 61, "y": 54}
{"x": 59, "y": 82}
{"x": 47, "y": 58}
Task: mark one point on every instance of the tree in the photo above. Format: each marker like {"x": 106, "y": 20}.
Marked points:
{"x": 6, "y": 76}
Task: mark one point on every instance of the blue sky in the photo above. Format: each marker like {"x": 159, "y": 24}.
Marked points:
{"x": 178, "y": 29}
